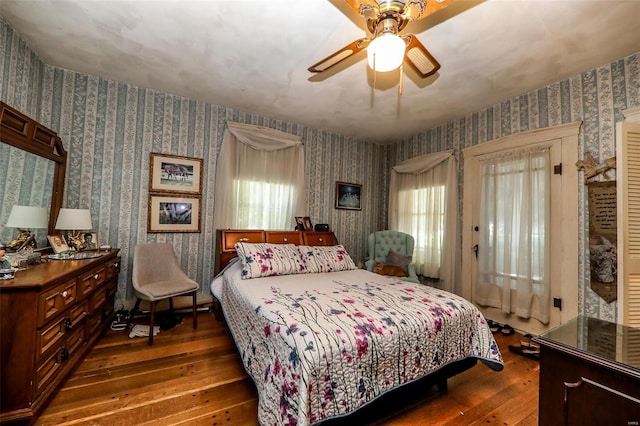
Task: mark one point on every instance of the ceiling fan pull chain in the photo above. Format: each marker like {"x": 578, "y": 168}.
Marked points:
{"x": 401, "y": 80}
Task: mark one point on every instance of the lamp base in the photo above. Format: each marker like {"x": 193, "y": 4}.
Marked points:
{"x": 23, "y": 240}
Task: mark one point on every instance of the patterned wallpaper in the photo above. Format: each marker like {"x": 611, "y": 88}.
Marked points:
{"x": 596, "y": 97}
{"x": 109, "y": 128}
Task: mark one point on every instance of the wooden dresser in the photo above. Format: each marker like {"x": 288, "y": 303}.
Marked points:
{"x": 227, "y": 238}
{"x": 589, "y": 374}
{"x": 51, "y": 315}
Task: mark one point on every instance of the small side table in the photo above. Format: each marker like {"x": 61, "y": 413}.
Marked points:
{"x": 589, "y": 374}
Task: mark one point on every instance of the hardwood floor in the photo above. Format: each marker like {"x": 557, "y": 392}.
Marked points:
{"x": 196, "y": 377}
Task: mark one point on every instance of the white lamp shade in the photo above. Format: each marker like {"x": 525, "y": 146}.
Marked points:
{"x": 26, "y": 217}
{"x": 74, "y": 220}
{"x": 386, "y": 52}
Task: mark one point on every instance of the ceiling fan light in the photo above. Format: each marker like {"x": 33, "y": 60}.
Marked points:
{"x": 386, "y": 52}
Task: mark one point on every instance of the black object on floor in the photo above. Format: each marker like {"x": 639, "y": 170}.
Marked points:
{"x": 507, "y": 330}
{"x": 167, "y": 320}
{"x": 526, "y": 351}
{"x": 494, "y": 326}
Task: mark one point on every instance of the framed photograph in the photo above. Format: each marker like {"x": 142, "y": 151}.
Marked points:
{"x": 299, "y": 223}
{"x": 172, "y": 173}
{"x": 90, "y": 240}
{"x": 308, "y": 226}
{"x": 168, "y": 213}
{"x": 348, "y": 196}
{"x": 58, "y": 243}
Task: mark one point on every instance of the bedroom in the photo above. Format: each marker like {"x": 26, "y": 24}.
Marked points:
{"x": 88, "y": 110}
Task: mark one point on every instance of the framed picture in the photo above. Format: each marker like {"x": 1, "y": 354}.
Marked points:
{"x": 58, "y": 243}
{"x": 172, "y": 173}
{"x": 168, "y": 213}
{"x": 348, "y": 196}
{"x": 90, "y": 240}
{"x": 308, "y": 226}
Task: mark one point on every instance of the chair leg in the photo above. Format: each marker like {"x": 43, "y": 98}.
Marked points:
{"x": 132, "y": 313}
{"x": 195, "y": 310}
{"x": 152, "y": 322}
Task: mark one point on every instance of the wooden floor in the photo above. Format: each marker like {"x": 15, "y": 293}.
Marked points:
{"x": 196, "y": 377}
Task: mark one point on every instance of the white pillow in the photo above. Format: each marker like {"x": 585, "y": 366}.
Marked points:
{"x": 265, "y": 259}
{"x": 326, "y": 258}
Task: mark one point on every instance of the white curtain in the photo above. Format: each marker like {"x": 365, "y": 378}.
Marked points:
{"x": 260, "y": 180}
{"x": 423, "y": 202}
{"x": 513, "y": 239}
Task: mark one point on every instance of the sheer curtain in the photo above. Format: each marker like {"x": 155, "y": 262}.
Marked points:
{"x": 513, "y": 267}
{"x": 423, "y": 202}
{"x": 260, "y": 179}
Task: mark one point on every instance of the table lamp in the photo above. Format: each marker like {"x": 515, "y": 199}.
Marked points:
{"x": 73, "y": 221}
{"x": 24, "y": 218}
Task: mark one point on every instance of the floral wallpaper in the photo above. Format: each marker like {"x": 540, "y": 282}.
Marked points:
{"x": 109, "y": 128}
{"x": 595, "y": 97}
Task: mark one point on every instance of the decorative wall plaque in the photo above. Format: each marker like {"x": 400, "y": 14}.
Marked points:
{"x": 603, "y": 239}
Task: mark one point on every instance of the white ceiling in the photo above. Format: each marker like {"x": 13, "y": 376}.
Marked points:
{"x": 253, "y": 55}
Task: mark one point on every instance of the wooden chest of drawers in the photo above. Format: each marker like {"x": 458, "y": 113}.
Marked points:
{"x": 51, "y": 315}
{"x": 226, "y": 239}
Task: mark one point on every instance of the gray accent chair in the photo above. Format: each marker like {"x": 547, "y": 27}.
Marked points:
{"x": 380, "y": 243}
{"x": 157, "y": 276}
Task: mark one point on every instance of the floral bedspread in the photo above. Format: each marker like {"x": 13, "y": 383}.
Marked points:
{"x": 322, "y": 345}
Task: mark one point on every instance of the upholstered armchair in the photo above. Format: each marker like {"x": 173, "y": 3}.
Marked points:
{"x": 381, "y": 243}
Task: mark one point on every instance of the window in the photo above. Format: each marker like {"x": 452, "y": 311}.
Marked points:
{"x": 423, "y": 202}
{"x": 263, "y": 205}
{"x": 423, "y": 218}
{"x": 259, "y": 180}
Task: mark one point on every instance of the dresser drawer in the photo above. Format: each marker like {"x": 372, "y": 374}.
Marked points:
{"x": 113, "y": 269}
{"x": 97, "y": 300}
{"x": 55, "y": 300}
{"x": 89, "y": 282}
{"x": 230, "y": 238}
{"x": 284, "y": 237}
{"x": 51, "y": 337}
{"x": 47, "y": 371}
{"x": 319, "y": 239}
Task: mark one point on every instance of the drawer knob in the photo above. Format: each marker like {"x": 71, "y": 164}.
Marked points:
{"x": 115, "y": 265}
{"x": 64, "y": 294}
{"x": 320, "y": 239}
{"x": 285, "y": 240}
{"x": 95, "y": 277}
{"x": 68, "y": 323}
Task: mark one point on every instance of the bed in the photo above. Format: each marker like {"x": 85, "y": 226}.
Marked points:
{"x": 322, "y": 338}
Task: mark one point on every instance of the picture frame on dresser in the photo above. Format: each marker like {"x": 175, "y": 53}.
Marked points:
{"x": 58, "y": 243}
{"x": 348, "y": 196}
{"x": 173, "y": 213}
{"x": 175, "y": 174}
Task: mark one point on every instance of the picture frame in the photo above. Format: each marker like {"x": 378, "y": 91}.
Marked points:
{"x": 175, "y": 174}
{"x": 308, "y": 226}
{"x": 90, "y": 239}
{"x": 173, "y": 213}
{"x": 58, "y": 243}
{"x": 348, "y": 196}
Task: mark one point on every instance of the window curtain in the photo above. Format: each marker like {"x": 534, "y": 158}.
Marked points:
{"x": 423, "y": 202}
{"x": 513, "y": 270}
{"x": 260, "y": 179}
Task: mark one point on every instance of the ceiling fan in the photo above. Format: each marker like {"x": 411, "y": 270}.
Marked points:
{"x": 386, "y": 47}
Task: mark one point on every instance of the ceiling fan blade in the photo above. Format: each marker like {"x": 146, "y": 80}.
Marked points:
{"x": 339, "y": 56}
{"x": 419, "y": 9}
{"x": 367, "y": 8}
{"x": 419, "y": 57}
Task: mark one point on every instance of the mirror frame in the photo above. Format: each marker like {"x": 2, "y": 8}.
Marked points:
{"x": 19, "y": 130}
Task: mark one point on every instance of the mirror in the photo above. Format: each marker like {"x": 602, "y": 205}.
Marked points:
{"x": 32, "y": 167}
